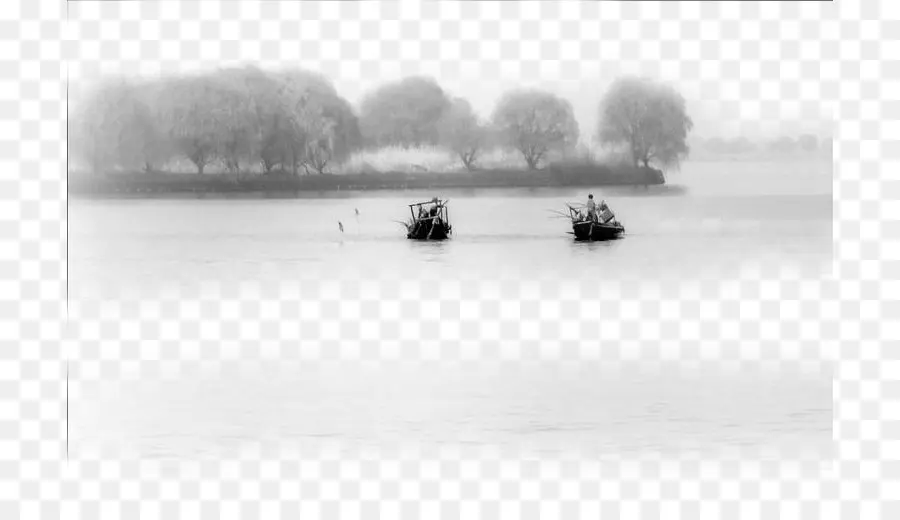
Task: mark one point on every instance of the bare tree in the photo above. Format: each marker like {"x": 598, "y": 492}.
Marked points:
{"x": 461, "y": 132}
{"x": 649, "y": 118}
{"x": 534, "y": 123}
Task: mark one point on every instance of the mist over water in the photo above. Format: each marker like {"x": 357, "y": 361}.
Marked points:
{"x": 730, "y": 215}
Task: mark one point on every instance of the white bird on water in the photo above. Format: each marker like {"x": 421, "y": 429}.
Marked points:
{"x": 340, "y": 226}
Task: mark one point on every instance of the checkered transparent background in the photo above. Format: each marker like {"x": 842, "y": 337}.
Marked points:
{"x": 836, "y": 51}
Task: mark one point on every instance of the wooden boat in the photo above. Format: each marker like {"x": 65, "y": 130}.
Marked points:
{"x": 603, "y": 227}
{"x": 430, "y": 221}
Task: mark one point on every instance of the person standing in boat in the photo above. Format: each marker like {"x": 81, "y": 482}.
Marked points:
{"x": 436, "y": 207}
{"x": 591, "y": 207}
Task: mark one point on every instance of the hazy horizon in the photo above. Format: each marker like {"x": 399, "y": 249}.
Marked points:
{"x": 729, "y": 85}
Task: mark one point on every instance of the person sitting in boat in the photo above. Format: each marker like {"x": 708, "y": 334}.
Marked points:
{"x": 591, "y": 207}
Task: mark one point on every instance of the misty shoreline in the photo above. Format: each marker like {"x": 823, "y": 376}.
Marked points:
{"x": 149, "y": 185}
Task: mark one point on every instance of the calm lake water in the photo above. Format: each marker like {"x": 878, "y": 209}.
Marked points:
{"x": 731, "y": 215}
{"x": 591, "y": 412}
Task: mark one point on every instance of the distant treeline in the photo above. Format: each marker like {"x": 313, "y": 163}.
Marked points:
{"x": 805, "y": 144}
{"x": 241, "y": 120}
{"x": 139, "y": 184}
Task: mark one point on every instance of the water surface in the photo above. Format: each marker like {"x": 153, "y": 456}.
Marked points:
{"x": 731, "y": 215}
{"x": 590, "y": 412}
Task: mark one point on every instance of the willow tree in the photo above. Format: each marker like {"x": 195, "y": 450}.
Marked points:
{"x": 323, "y": 129}
{"x": 192, "y": 114}
{"x": 462, "y": 133}
{"x": 331, "y": 131}
{"x": 534, "y": 123}
{"x": 246, "y": 100}
{"x": 647, "y": 117}
{"x": 403, "y": 113}
{"x": 113, "y": 127}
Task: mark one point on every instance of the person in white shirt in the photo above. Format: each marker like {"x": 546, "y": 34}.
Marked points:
{"x": 591, "y": 207}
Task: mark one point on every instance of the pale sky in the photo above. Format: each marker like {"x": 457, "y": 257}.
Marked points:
{"x": 762, "y": 69}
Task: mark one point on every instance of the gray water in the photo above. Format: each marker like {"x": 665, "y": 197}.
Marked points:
{"x": 731, "y": 215}
{"x": 591, "y": 411}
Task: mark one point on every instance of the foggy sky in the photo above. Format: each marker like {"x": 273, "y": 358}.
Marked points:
{"x": 758, "y": 70}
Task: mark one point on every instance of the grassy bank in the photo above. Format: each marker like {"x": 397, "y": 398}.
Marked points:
{"x": 161, "y": 184}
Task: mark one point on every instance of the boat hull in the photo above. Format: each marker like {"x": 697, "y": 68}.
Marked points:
{"x": 594, "y": 232}
{"x": 424, "y": 231}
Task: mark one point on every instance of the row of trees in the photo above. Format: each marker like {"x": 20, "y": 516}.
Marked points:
{"x": 289, "y": 120}
{"x": 295, "y": 120}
